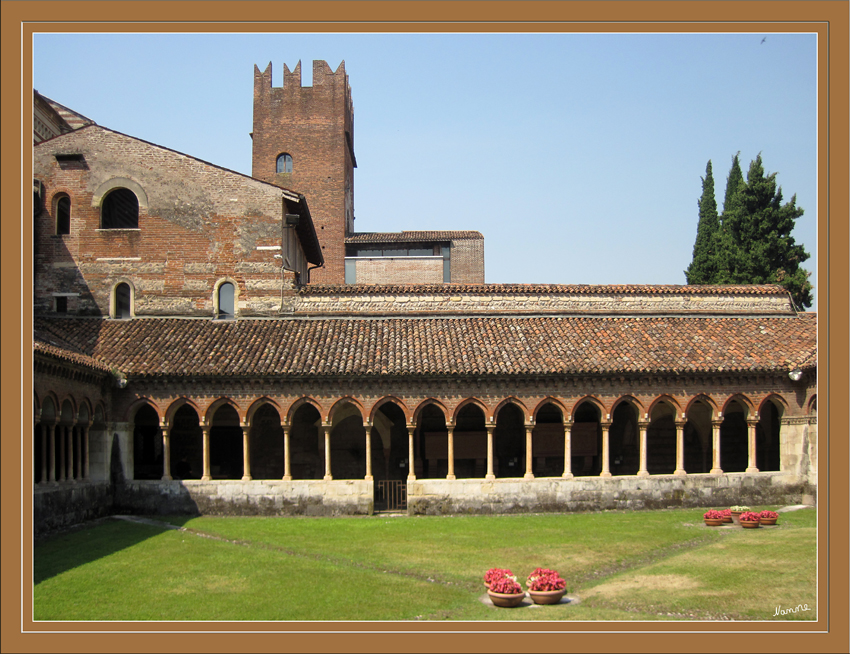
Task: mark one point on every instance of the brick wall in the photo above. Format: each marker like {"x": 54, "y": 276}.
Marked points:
{"x": 399, "y": 270}
{"x": 197, "y": 224}
{"x": 468, "y": 261}
{"x": 310, "y": 124}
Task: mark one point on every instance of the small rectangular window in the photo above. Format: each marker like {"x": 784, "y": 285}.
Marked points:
{"x": 350, "y": 271}
{"x": 61, "y": 304}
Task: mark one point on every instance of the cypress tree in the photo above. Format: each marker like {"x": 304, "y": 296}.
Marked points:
{"x": 733, "y": 183}
{"x": 703, "y": 267}
{"x": 754, "y": 243}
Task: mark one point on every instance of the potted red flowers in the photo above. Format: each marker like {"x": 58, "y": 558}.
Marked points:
{"x": 768, "y": 517}
{"x": 749, "y": 519}
{"x": 494, "y": 574}
{"x": 546, "y": 586}
{"x": 713, "y": 518}
{"x": 727, "y": 515}
{"x": 506, "y": 592}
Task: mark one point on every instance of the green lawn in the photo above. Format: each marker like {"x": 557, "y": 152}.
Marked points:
{"x": 654, "y": 565}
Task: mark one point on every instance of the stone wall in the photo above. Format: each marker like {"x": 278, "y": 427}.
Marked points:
{"x": 57, "y": 506}
{"x": 398, "y": 270}
{"x": 479, "y": 496}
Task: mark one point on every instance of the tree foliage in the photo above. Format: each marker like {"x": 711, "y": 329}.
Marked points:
{"x": 751, "y": 242}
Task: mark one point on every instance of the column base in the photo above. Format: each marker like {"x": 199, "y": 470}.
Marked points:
{"x": 715, "y": 471}
{"x": 411, "y": 477}
{"x": 247, "y": 477}
{"x": 643, "y": 473}
{"x": 568, "y": 475}
{"x": 328, "y": 478}
{"x": 206, "y": 478}
{"x": 490, "y": 477}
{"x": 167, "y": 478}
{"x": 751, "y": 470}
{"x": 528, "y": 475}
{"x": 681, "y": 473}
{"x": 286, "y": 478}
{"x": 368, "y": 478}
{"x": 451, "y": 477}
{"x": 605, "y": 474}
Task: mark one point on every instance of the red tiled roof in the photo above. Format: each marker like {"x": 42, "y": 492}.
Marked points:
{"x": 51, "y": 342}
{"x": 540, "y": 289}
{"x": 411, "y": 236}
{"x": 289, "y": 347}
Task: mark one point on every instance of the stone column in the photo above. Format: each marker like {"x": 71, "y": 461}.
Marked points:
{"x": 287, "y": 472}
{"x": 528, "y": 458}
{"x": 368, "y": 427}
{"x": 751, "y": 445}
{"x": 568, "y": 450}
{"x": 62, "y": 465}
{"x": 51, "y": 454}
{"x": 642, "y": 470}
{"x": 451, "y": 445}
{"x": 411, "y": 475}
{"x": 606, "y": 469}
{"x": 326, "y": 429}
{"x": 78, "y": 455}
{"x": 715, "y": 447}
{"x": 206, "y": 476}
{"x": 246, "y": 452}
{"x": 86, "y": 458}
{"x": 43, "y": 437}
{"x": 490, "y": 475}
{"x": 680, "y": 449}
{"x": 166, "y": 451}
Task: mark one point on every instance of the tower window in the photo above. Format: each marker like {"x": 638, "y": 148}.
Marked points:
{"x": 63, "y": 215}
{"x": 226, "y": 301}
{"x": 120, "y": 210}
{"x": 284, "y": 163}
{"x": 61, "y": 304}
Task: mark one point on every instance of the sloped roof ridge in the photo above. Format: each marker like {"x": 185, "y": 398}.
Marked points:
{"x": 172, "y": 150}
{"x": 60, "y": 108}
{"x": 412, "y": 235}
{"x": 576, "y": 289}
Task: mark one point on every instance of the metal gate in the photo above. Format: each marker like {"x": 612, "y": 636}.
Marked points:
{"x": 390, "y": 495}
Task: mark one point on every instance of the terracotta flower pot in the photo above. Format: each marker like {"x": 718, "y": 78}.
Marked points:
{"x": 735, "y": 516}
{"x": 727, "y": 518}
{"x": 713, "y": 522}
{"x": 749, "y": 524}
{"x": 505, "y": 600}
{"x": 768, "y": 521}
{"x": 546, "y": 596}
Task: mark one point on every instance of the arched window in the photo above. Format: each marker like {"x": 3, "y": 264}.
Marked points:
{"x": 123, "y": 301}
{"x": 284, "y": 163}
{"x": 226, "y": 301}
{"x": 63, "y": 215}
{"x": 120, "y": 210}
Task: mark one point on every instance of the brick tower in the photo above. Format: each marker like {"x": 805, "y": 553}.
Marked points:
{"x": 303, "y": 140}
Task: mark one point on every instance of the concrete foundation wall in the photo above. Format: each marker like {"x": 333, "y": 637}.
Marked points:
{"x": 553, "y": 494}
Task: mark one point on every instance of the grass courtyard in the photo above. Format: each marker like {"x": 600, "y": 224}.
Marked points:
{"x": 653, "y": 565}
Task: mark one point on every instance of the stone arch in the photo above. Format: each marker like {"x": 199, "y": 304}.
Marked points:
{"x": 347, "y": 439}
{"x": 300, "y": 402}
{"x": 768, "y": 432}
{"x": 119, "y": 182}
{"x": 265, "y": 437}
{"x": 742, "y": 400}
{"x": 84, "y": 411}
{"x": 306, "y": 453}
{"x": 147, "y": 441}
{"x": 225, "y": 439}
{"x": 516, "y": 402}
{"x": 509, "y": 439}
{"x": 663, "y": 414}
{"x": 697, "y": 438}
{"x": 734, "y": 437}
{"x": 812, "y": 405}
{"x": 472, "y": 401}
{"x": 395, "y": 400}
{"x": 130, "y": 414}
{"x": 420, "y": 408}
{"x": 341, "y": 409}
{"x": 185, "y": 425}
{"x": 225, "y": 309}
{"x": 122, "y": 306}
{"x": 470, "y": 439}
{"x": 431, "y": 418}
{"x": 586, "y": 436}
{"x": 547, "y": 439}
{"x": 624, "y": 436}
{"x": 388, "y": 436}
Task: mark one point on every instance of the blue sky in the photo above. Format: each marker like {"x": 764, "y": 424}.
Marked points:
{"x": 578, "y": 156}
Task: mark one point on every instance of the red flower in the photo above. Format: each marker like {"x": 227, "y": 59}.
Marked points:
{"x": 713, "y": 514}
{"x": 726, "y": 513}
{"x": 769, "y": 514}
{"x": 749, "y": 516}
{"x": 494, "y": 574}
{"x": 506, "y": 586}
{"x": 551, "y": 581}
{"x": 539, "y": 572}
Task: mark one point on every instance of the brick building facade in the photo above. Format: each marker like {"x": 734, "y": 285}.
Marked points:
{"x": 189, "y": 356}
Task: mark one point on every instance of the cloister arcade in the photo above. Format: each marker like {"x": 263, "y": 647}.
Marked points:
{"x": 392, "y": 440}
